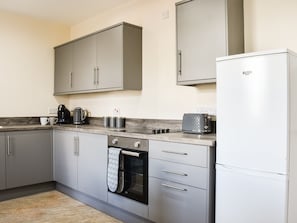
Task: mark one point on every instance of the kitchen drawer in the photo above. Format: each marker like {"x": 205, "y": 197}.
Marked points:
{"x": 179, "y": 152}
{"x": 180, "y": 173}
{"x": 175, "y": 203}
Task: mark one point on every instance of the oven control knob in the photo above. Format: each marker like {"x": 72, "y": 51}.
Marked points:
{"x": 114, "y": 141}
{"x": 137, "y": 144}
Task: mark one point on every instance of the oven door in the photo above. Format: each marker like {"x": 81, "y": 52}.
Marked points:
{"x": 134, "y": 168}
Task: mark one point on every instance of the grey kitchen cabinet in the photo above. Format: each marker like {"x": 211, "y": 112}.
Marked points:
{"x": 92, "y": 165}
{"x": 65, "y": 159}
{"x": 2, "y": 161}
{"x": 206, "y": 29}
{"x": 84, "y": 64}
{"x": 80, "y": 162}
{"x": 29, "y": 158}
{"x": 175, "y": 203}
{"x": 63, "y": 69}
{"x": 110, "y": 59}
{"x": 181, "y": 182}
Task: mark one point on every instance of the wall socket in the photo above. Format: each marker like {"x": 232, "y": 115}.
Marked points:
{"x": 52, "y": 111}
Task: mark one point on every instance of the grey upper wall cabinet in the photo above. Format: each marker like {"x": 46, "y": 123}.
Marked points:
{"x": 206, "y": 29}
{"x": 108, "y": 60}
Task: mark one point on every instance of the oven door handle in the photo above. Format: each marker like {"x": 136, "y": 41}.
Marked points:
{"x": 129, "y": 153}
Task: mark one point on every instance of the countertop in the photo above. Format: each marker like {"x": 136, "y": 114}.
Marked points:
{"x": 179, "y": 137}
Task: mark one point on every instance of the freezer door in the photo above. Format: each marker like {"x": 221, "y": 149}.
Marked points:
{"x": 252, "y": 112}
{"x": 250, "y": 197}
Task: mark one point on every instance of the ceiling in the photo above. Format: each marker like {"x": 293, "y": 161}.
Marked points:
{"x": 68, "y": 12}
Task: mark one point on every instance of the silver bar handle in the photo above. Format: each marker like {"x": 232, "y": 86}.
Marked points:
{"x": 129, "y": 153}
{"x": 180, "y": 62}
{"x": 95, "y": 76}
{"x": 97, "y": 69}
{"x": 174, "y": 187}
{"x": 177, "y": 153}
{"x": 76, "y": 146}
{"x": 70, "y": 74}
{"x": 8, "y": 146}
{"x": 175, "y": 173}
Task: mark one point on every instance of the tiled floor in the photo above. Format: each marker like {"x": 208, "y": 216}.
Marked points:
{"x": 50, "y": 207}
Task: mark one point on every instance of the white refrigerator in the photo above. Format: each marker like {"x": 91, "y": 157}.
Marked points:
{"x": 256, "y": 160}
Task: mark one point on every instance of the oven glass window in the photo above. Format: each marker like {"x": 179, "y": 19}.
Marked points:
{"x": 135, "y": 177}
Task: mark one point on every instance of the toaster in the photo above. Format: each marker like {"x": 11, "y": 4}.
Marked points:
{"x": 196, "y": 123}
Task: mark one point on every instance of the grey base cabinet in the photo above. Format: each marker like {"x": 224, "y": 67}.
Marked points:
{"x": 206, "y": 29}
{"x": 181, "y": 183}
{"x": 108, "y": 60}
{"x": 175, "y": 203}
{"x": 26, "y": 158}
{"x": 80, "y": 162}
{"x": 2, "y": 161}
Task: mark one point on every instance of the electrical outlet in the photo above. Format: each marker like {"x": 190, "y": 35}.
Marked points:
{"x": 52, "y": 111}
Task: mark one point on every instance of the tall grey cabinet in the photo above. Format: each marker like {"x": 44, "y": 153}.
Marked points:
{"x": 110, "y": 59}
{"x": 206, "y": 29}
{"x": 2, "y": 161}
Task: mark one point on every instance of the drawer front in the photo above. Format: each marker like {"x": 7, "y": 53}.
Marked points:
{"x": 180, "y": 173}
{"x": 179, "y": 152}
{"x": 176, "y": 203}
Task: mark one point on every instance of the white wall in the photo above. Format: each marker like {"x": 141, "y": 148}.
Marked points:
{"x": 160, "y": 96}
{"x": 27, "y": 64}
{"x": 270, "y": 24}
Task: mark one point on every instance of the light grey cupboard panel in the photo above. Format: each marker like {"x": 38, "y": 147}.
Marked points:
{"x": 179, "y": 173}
{"x": 63, "y": 68}
{"x": 84, "y": 64}
{"x": 2, "y": 161}
{"x": 92, "y": 165}
{"x": 29, "y": 158}
{"x": 109, "y": 48}
{"x": 179, "y": 152}
{"x": 206, "y": 29}
{"x": 65, "y": 158}
{"x": 176, "y": 203}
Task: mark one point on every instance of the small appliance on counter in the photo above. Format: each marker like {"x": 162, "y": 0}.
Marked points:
{"x": 80, "y": 116}
{"x": 63, "y": 115}
{"x": 197, "y": 123}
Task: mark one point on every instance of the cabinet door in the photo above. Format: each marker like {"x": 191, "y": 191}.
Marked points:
{"x": 175, "y": 203}
{"x": 2, "y": 161}
{"x": 92, "y": 165}
{"x": 29, "y": 158}
{"x": 65, "y": 158}
{"x": 84, "y": 64}
{"x": 201, "y": 37}
{"x": 63, "y": 68}
{"x": 109, "y": 45}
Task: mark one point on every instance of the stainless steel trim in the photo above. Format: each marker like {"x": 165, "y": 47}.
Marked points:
{"x": 129, "y": 153}
{"x": 128, "y": 143}
{"x": 175, "y": 173}
{"x": 177, "y": 153}
{"x": 174, "y": 187}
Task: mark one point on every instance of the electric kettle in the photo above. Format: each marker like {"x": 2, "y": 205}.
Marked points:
{"x": 79, "y": 116}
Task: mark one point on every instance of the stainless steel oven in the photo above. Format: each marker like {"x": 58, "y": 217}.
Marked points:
{"x": 133, "y": 167}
